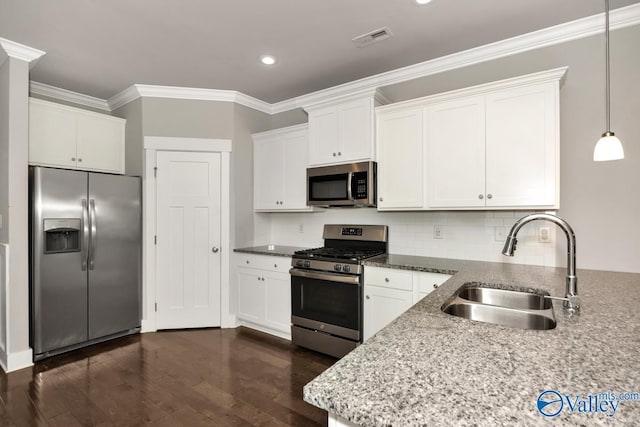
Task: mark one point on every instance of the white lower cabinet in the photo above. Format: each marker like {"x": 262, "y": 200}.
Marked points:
{"x": 390, "y": 292}
{"x": 382, "y": 306}
{"x": 264, "y": 293}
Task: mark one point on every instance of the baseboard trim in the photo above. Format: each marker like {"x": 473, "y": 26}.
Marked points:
{"x": 279, "y": 334}
{"x": 15, "y": 361}
{"x": 147, "y": 326}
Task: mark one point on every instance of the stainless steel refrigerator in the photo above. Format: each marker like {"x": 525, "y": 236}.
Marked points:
{"x": 85, "y": 258}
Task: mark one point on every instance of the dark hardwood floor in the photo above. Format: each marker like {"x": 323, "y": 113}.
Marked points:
{"x": 212, "y": 377}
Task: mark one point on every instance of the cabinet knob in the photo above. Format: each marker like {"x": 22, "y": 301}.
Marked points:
{"x": 73, "y": 159}
{"x": 275, "y": 265}
{"x": 386, "y": 279}
{"x": 435, "y": 286}
{"x": 480, "y": 196}
{"x": 247, "y": 261}
{"x": 367, "y": 297}
{"x": 334, "y": 154}
{"x": 489, "y": 196}
{"x": 339, "y": 153}
{"x": 381, "y": 199}
{"x": 79, "y": 159}
{"x": 215, "y": 250}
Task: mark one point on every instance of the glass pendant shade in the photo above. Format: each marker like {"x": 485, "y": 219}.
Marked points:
{"x": 607, "y": 148}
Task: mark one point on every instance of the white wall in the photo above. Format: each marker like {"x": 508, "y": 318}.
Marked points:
{"x": 467, "y": 235}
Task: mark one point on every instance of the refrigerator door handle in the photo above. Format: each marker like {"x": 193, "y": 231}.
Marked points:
{"x": 85, "y": 234}
{"x": 92, "y": 250}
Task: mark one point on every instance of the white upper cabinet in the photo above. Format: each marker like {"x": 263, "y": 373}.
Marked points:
{"x": 67, "y": 137}
{"x": 280, "y": 169}
{"x": 400, "y": 159}
{"x": 341, "y": 133}
{"x": 522, "y": 144}
{"x": 455, "y": 141}
{"x": 493, "y": 146}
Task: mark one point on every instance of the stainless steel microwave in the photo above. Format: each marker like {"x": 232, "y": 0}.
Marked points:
{"x": 352, "y": 184}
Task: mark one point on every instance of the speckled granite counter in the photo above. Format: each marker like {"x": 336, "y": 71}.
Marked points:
{"x": 430, "y": 368}
{"x": 275, "y": 250}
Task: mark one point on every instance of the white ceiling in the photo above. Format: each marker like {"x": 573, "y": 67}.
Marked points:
{"x": 100, "y": 47}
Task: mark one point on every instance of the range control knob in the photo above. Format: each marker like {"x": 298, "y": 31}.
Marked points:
{"x": 337, "y": 267}
{"x": 307, "y": 264}
{"x": 299, "y": 263}
{"x": 346, "y": 268}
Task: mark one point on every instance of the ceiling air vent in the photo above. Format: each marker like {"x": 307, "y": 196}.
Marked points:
{"x": 372, "y": 37}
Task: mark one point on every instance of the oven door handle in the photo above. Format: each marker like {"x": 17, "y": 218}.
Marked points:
{"x": 349, "y": 188}
{"x": 332, "y": 277}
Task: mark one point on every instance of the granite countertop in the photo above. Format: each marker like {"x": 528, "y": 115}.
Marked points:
{"x": 274, "y": 250}
{"x": 431, "y": 368}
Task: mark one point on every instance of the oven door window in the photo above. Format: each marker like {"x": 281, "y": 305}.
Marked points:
{"x": 327, "y": 302}
{"x": 328, "y": 187}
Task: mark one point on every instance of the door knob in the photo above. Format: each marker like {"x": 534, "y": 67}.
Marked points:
{"x": 215, "y": 249}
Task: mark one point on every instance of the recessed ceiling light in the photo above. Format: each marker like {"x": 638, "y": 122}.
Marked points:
{"x": 268, "y": 59}
{"x": 421, "y": 2}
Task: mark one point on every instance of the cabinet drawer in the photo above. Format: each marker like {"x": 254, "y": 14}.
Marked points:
{"x": 389, "y": 278}
{"x": 427, "y": 282}
{"x": 264, "y": 262}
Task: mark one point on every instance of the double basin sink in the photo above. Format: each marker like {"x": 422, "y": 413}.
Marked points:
{"x": 491, "y": 304}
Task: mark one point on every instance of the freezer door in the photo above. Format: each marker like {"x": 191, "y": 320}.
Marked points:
{"x": 115, "y": 254}
{"x": 58, "y": 282}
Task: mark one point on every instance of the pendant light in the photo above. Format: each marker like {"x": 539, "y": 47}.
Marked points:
{"x": 608, "y": 146}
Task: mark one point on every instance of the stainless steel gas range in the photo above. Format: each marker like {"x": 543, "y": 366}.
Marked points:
{"x": 326, "y": 288}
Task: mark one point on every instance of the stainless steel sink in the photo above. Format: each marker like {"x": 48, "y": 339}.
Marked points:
{"x": 517, "y": 309}
{"x": 505, "y": 298}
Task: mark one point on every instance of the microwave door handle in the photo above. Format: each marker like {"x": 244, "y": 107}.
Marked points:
{"x": 349, "y": 190}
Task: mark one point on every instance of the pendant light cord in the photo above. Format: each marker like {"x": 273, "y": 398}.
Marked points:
{"x": 608, "y": 89}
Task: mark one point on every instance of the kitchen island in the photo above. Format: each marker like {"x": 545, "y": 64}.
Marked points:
{"x": 431, "y": 368}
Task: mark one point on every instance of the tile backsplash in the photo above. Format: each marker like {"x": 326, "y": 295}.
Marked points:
{"x": 465, "y": 235}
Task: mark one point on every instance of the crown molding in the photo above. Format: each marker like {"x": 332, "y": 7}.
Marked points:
{"x": 174, "y": 92}
{"x": 19, "y": 51}
{"x": 69, "y": 96}
{"x": 294, "y": 130}
{"x": 562, "y": 33}
{"x": 581, "y": 28}
{"x": 547, "y": 76}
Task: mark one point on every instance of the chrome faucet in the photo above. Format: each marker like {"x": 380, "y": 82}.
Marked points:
{"x": 571, "y": 301}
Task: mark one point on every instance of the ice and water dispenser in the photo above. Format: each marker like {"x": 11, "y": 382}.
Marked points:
{"x": 61, "y": 235}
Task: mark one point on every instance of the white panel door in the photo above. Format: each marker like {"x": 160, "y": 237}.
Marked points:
{"x": 188, "y": 247}
{"x": 100, "y": 143}
{"x": 522, "y": 145}
{"x": 355, "y": 127}
{"x": 455, "y": 140}
{"x": 400, "y": 159}
{"x": 382, "y": 306}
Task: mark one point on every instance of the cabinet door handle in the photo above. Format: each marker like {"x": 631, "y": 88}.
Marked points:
{"x": 73, "y": 159}
{"x": 480, "y": 196}
{"x": 489, "y": 196}
{"x": 79, "y": 159}
{"x": 381, "y": 199}
{"x": 339, "y": 153}
{"x": 435, "y": 286}
{"x": 247, "y": 261}
{"x": 367, "y": 297}
{"x": 334, "y": 154}
{"x": 275, "y": 265}
{"x": 386, "y": 279}
{"x": 215, "y": 250}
